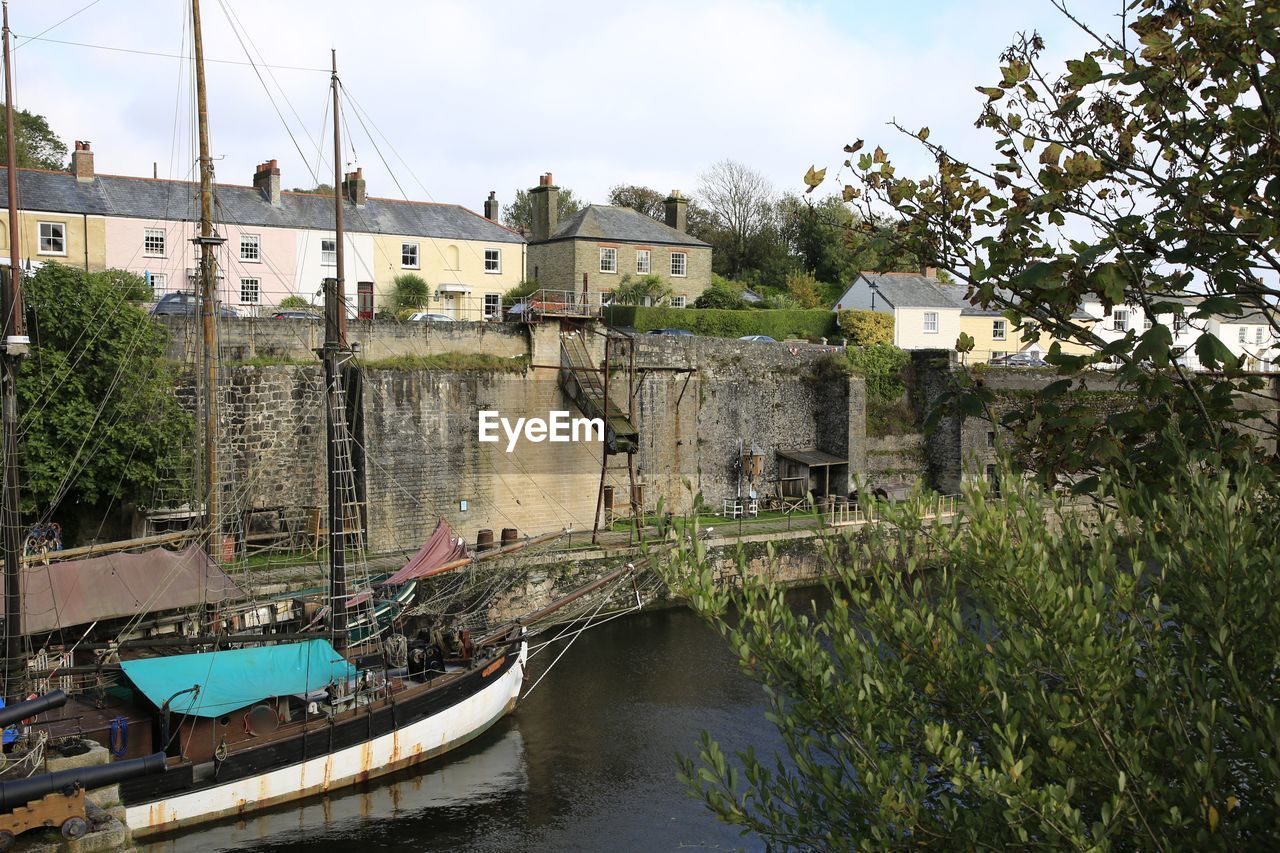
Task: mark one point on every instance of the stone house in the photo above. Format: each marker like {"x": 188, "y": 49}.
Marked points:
{"x": 601, "y": 244}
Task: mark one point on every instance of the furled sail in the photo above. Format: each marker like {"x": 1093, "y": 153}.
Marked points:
{"x": 444, "y": 548}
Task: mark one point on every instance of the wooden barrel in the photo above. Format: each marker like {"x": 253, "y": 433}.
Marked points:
{"x": 509, "y": 536}
{"x": 484, "y": 540}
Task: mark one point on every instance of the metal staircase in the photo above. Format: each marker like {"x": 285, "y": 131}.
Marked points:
{"x": 583, "y": 383}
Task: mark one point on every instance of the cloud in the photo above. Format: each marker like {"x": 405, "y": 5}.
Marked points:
{"x": 486, "y": 96}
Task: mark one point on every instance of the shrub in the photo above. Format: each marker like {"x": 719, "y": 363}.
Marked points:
{"x": 294, "y": 302}
{"x": 804, "y": 289}
{"x": 635, "y": 291}
{"x": 726, "y": 323}
{"x": 864, "y": 328}
{"x": 409, "y": 290}
{"x": 722, "y": 293}
{"x": 881, "y": 365}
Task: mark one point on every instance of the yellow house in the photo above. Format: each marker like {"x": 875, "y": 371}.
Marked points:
{"x": 75, "y": 239}
{"x": 995, "y": 335}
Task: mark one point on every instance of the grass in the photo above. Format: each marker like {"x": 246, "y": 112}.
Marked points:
{"x": 451, "y": 361}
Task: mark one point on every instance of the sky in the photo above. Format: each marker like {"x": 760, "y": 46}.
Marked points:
{"x": 446, "y": 101}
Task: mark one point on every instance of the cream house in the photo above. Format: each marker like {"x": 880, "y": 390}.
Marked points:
{"x": 925, "y": 315}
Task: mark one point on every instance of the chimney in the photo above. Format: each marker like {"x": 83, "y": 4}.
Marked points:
{"x": 267, "y": 181}
{"x": 353, "y": 187}
{"x": 491, "y": 206}
{"x": 545, "y": 198}
{"x": 676, "y": 205}
{"x": 929, "y": 272}
{"x": 82, "y": 161}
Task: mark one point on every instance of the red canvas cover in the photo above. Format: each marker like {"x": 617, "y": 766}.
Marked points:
{"x": 77, "y": 592}
{"x": 443, "y": 548}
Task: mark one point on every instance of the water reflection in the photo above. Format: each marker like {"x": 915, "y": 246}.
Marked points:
{"x": 586, "y": 763}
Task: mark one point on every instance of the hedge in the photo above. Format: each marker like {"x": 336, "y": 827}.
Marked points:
{"x": 865, "y": 328}
{"x": 779, "y": 324}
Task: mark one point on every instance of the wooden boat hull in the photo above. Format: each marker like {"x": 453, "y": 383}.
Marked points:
{"x": 397, "y": 737}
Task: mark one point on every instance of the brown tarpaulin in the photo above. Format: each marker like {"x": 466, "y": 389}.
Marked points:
{"x": 444, "y": 547}
{"x": 77, "y": 592}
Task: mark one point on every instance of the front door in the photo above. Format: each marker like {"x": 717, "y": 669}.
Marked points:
{"x": 449, "y": 305}
{"x": 364, "y": 300}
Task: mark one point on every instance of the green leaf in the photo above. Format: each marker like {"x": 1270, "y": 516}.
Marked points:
{"x": 992, "y": 93}
{"x": 814, "y": 177}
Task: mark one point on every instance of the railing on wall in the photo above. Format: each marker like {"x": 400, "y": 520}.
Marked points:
{"x": 844, "y": 514}
{"x": 559, "y": 303}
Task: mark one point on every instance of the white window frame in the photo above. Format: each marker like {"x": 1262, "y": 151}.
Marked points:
{"x": 41, "y": 238}
{"x": 677, "y": 301}
{"x": 492, "y": 305}
{"x": 1147, "y": 322}
{"x": 159, "y": 283}
{"x": 1179, "y": 323}
{"x": 256, "y": 284}
{"x": 679, "y": 264}
{"x": 407, "y": 250}
{"x": 999, "y": 330}
{"x": 930, "y": 319}
{"x": 493, "y": 266}
{"x": 643, "y": 262}
{"x": 329, "y": 257}
{"x": 1120, "y": 320}
{"x": 608, "y": 260}
{"x": 252, "y": 243}
{"x": 1244, "y": 334}
{"x": 1258, "y": 335}
{"x": 154, "y": 234}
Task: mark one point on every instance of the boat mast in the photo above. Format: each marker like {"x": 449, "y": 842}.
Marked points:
{"x": 208, "y": 242}
{"x": 15, "y": 349}
{"x": 336, "y": 353}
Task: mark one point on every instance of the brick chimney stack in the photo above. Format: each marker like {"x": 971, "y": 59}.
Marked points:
{"x": 82, "y": 161}
{"x": 491, "y": 206}
{"x": 545, "y": 198}
{"x": 929, "y": 272}
{"x": 353, "y": 189}
{"x": 676, "y": 206}
{"x": 266, "y": 180}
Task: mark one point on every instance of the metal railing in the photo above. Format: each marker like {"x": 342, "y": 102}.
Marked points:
{"x": 560, "y": 303}
{"x": 844, "y": 514}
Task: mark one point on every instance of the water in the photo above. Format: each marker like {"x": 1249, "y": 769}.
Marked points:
{"x": 586, "y": 762}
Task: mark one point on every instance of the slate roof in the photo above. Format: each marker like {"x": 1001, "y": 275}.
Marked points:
{"x": 603, "y": 222}
{"x": 905, "y": 290}
{"x": 148, "y": 198}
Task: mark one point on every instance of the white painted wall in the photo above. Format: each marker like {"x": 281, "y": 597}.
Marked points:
{"x": 909, "y": 333}
{"x": 358, "y": 262}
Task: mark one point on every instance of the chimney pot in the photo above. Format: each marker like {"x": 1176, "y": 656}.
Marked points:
{"x": 266, "y": 180}
{"x": 353, "y": 187}
{"x": 546, "y": 200}
{"x": 82, "y": 161}
{"x": 676, "y": 211}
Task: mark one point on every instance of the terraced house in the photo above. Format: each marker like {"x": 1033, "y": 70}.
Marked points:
{"x": 277, "y": 243}
{"x": 596, "y": 248}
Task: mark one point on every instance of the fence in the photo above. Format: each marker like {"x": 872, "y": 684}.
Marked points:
{"x": 845, "y": 514}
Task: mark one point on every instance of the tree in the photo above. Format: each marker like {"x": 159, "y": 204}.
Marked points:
{"x": 740, "y": 201}
{"x": 519, "y": 214}
{"x": 409, "y": 291}
{"x": 1052, "y": 679}
{"x": 38, "y": 146}
{"x": 644, "y": 200}
{"x": 1145, "y": 175}
{"x": 803, "y": 288}
{"x": 318, "y": 189}
{"x": 833, "y": 243}
{"x": 295, "y": 302}
{"x": 99, "y": 417}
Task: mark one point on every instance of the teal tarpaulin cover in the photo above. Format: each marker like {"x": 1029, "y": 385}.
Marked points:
{"x": 236, "y": 678}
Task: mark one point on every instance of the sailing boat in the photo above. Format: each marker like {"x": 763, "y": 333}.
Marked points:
{"x": 260, "y": 720}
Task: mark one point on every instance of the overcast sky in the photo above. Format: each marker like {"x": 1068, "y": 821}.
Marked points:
{"x": 479, "y": 96}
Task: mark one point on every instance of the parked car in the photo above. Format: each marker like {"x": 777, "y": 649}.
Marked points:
{"x": 1019, "y": 359}
{"x": 297, "y": 315}
{"x": 760, "y": 339}
{"x": 678, "y": 332}
{"x": 180, "y": 304}
{"x": 427, "y": 316}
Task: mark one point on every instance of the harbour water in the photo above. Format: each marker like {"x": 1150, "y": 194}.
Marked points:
{"x": 587, "y": 762}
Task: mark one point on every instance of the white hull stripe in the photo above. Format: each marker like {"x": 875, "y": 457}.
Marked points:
{"x": 412, "y": 744}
